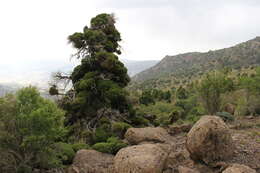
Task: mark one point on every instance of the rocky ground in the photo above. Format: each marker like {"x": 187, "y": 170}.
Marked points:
{"x": 158, "y": 150}
{"x": 246, "y": 135}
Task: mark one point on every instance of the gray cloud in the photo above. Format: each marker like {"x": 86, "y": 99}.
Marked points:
{"x": 33, "y": 34}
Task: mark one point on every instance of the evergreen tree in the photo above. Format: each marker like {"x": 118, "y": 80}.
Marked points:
{"x": 99, "y": 80}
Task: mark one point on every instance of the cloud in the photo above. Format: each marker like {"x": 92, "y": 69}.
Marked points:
{"x": 33, "y": 34}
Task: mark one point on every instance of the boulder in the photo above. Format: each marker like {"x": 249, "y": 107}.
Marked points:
{"x": 210, "y": 140}
{"x": 236, "y": 168}
{"x": 148, "y": 134}
{"x": 91, "y": 161}
{"x": 183, "y": 169}
{"x": 144, "y": 158}
{"x": 175, "y": 129}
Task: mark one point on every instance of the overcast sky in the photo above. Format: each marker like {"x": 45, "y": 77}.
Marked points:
{"x": 33, "y": 33}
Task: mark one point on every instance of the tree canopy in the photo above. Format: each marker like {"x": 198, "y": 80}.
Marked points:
{"x": 99, "y": 81}
{"x": 29, "y": 128}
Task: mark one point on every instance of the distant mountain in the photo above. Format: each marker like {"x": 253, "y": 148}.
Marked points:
{"x": 135, "y": 67}
{"x": 39, "y": 73}
{"x": 8, "y": 88}
{"x": 189, "y": 65}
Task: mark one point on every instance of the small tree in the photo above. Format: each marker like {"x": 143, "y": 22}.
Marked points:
{"x": 29, "y": 126}
{"x": 210, "y": 89}
{"x": 146, "y": 98}
{"x": 98, "y": 82}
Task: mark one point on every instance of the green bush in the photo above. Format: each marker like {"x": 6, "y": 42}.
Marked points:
{"x": 101, "y": 135}
{"x": 225, "y": 116}
{"x": 103, "y": 147}
{"x": 193, "y": 118}
{"x": 210, "y": 89}
{"x": 163, "y": 120}
{"x": 176, "y": 114}
{"x": 65, "y": 152}
{"x": 139, "y": 120}
{"x": 79, "y": 146}
{"x": 160, "y": 109}
{"x": 119, "y": 128}
{"x": 112, "y": 146}
{"x": 30, "y": 125}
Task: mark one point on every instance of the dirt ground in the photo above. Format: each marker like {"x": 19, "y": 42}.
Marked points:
{"x": 246, "y": 135}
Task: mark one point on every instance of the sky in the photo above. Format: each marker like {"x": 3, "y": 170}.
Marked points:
{"x": 33, "y": 33}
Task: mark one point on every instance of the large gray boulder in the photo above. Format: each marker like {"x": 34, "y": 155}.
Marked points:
{"x": 144, "y": 158}
{"x": 148, "y": 134}
{"x": 91, "y": 161}
{"x": 210, "y": 140}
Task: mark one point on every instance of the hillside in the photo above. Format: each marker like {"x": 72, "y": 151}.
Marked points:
{"x": 188, "y": 65}
{"x": 135, "y": 67}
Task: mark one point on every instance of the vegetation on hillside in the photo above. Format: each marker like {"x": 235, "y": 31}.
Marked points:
{"x": 37, "y": 134}
{"x": 180, "y": 69}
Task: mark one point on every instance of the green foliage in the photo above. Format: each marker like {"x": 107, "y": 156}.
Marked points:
{"x": 210, "y": 89}
{"x": 101, "y": 135}
{"x": 176, "y": 114}
{"x": 153, "y": 95}
{"x": 225, "y": 116}
{"x": 251, "y": 83}
{"x": 119, "y": 128}
{"x": 99, "y": 80}
{"x": 29, "y": 127}
{"x": 65, "y": 152}
{"x": 146, "y": 98}
{"x": 161, "y": 110}
{"x": 181, "y": 93}
{"x": 139, "y": 121}
{"x": 176, "y": 70}
{"x": 112, "y": 146}
{"x": 79, "y": 146}
{"x": 53, "y": 90}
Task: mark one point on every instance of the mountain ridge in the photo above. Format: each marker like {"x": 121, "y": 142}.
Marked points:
{"x": 194, "y": 63}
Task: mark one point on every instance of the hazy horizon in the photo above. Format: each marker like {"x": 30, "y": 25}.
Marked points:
{"x": 34, "y": 33}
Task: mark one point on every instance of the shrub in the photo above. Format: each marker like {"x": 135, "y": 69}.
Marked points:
{"x": 119, "y": 128}
{"x": 79, "y": 146}
{"x": 139, "y": 120}
{"x": 65, "y": 152}
{"x": 210, "y": 89}
{"x": 176, "y": 114}
{"x": 225, "y": 116}
{"x": 112, "y": 146}
{"x": 163, "y": 120}
{"x": 29, "y": 125}
{"x": 193, "y": 118}
{"x": 103, "y": 147}
{"x": 101, "y": 135}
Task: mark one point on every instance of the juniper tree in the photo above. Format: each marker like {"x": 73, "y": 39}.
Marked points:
{"x": 99, "y": 81}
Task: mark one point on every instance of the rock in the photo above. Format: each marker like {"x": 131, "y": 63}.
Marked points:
{"x": 144, "y": 158}
{"x": 230, "y": 108}
{"x": 175, "y": 129}
{"x": 91, "y": 161}
{"x": 236, "y": 168}
{"x": 210, "y": 140}
{"x": 183, "y": 169}
{"x": 250, "y": 117}
{"x": 148, "y": 134}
